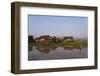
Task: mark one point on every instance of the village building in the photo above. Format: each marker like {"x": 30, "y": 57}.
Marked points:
{"x": 68, "y": 39}
{"x": 44, "y": 39}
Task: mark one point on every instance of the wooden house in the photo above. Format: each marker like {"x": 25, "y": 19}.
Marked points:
{"x": 68, "y": 39}
{"x": 44, "y": 39}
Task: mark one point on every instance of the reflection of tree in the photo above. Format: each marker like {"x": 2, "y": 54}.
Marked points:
{"x": 68, "y": 48}
{"x": 30, "y": 48}
{"x": 31, "y": 42}
{"x": 45, "y": 48}
{"x": 71, "y": 48}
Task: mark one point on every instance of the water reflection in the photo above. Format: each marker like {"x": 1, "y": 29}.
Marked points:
{"x": 48, "y": 49}
{"x": 47, "y": 52}
{"x": 30, "y": 48}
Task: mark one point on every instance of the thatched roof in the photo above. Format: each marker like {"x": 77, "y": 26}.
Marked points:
{"x": 44, "y": 37}
{"x": 70, "y": 37}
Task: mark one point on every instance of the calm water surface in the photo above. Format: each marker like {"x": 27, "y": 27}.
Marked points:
{"x": 56, "y": 53}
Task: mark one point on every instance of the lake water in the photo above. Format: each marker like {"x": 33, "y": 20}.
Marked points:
{"x": 56, "y": 53}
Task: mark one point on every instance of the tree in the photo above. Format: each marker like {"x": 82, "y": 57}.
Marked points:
{"x": 30, "y": 38}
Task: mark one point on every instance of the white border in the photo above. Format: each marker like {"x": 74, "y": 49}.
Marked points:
{"x": 25, "y": 64}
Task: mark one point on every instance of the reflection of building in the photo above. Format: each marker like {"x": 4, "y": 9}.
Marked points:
{"x": 46, "y": 49}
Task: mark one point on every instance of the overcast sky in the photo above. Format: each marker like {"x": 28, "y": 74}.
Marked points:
{"x": 58, "y": 26}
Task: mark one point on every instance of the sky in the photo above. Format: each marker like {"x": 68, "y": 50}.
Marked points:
{"x": 59, "y": 26}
